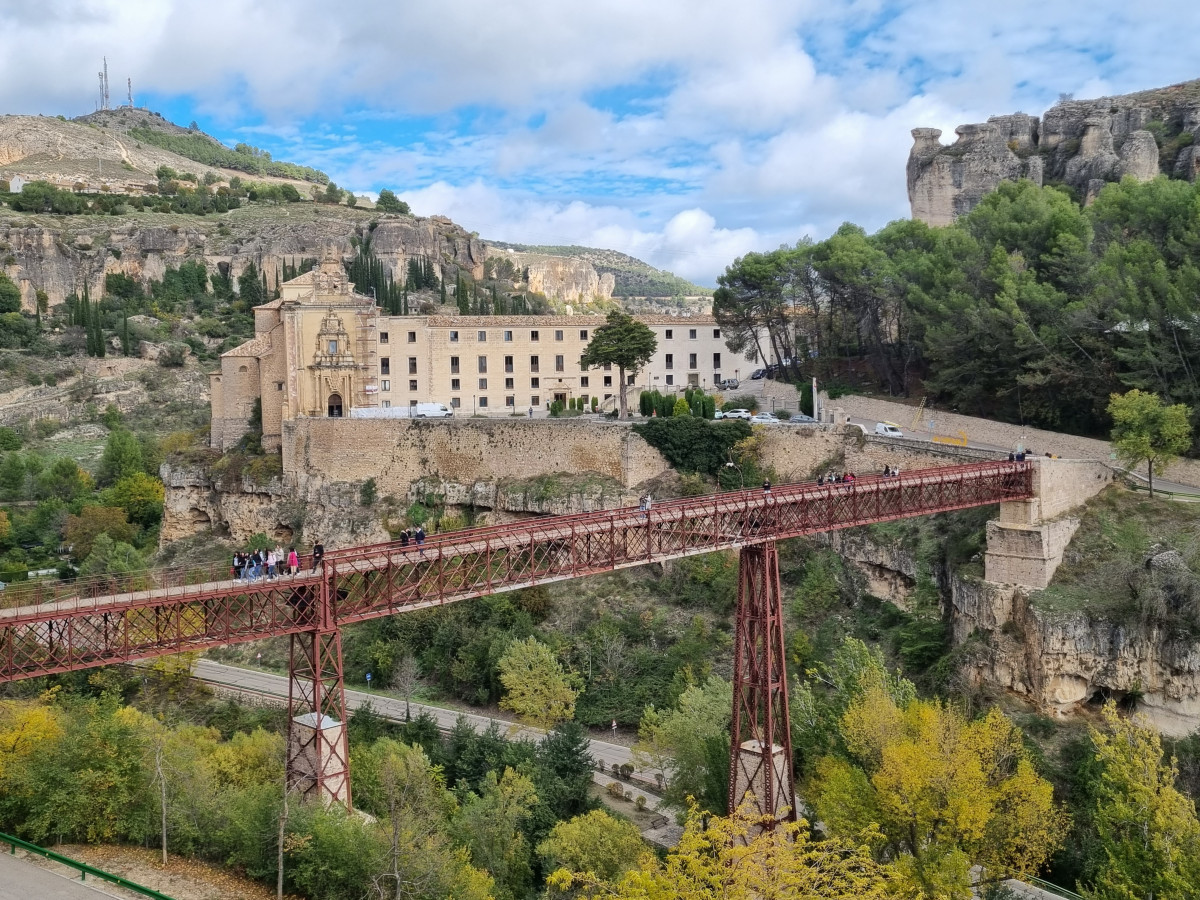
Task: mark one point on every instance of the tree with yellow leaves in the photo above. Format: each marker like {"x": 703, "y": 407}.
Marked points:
{"x": 734, "y": 857}
{"x": 946, "y": 793}
{"x": 24, "y": 728}
{"x": 1147, "y": 827}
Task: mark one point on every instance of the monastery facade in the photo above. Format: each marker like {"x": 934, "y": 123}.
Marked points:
{"x": 322, "y": 350}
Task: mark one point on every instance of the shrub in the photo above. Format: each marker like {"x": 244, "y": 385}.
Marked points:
{"x": 783, "y": 414}
{"x": 615, "y": 789}
{"x": 694, "y": 445}
{"x": 742, "y": 401}
{"x": 367, "y": 493}
{"x": 626, "y": 771}
{"x": 640, "y": 802}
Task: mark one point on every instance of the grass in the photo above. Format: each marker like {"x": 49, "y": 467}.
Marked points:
{"x": 1104, "y": 572}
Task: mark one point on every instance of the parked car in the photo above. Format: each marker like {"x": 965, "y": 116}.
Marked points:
{"x": 738, "y": 414}
{"x": 728, "y": 384}
{"x": 889, "y": 429}
{"x": 802, "y": 419}
{"x": 763, "y": 418}
{"x": 758, "y": 373}
{"x": 718, "y": 415}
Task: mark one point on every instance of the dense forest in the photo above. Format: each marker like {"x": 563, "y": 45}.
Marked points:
{"x": 1030, "y": 309}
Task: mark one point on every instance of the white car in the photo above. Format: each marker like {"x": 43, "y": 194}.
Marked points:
{"x": 764, "y": 419}
{"x": 738, "y": 414}
{"x": 889, "y": 429}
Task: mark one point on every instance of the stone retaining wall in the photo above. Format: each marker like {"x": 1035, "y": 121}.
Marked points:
{"x": 1000, "y": 434}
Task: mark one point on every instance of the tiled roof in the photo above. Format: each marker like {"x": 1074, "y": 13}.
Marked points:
{"x": 256, "y": 347}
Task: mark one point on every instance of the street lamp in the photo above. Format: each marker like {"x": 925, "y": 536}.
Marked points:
{"x": 741, "y": 477}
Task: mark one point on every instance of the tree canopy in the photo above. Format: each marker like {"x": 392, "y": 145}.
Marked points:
{"x": 1030, "y": 309}
{"x": 623, "y": 342}
{"x": 1146, "y": 431}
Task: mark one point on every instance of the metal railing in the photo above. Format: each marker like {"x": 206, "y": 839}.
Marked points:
{"x": 83, "y": 868}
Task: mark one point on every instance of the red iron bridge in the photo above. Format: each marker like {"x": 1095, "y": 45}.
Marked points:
{"x": 67, "y": 626}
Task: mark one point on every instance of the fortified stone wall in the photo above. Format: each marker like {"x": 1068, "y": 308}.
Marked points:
{"x": 397, "y": 452}
{"x": 1001, "y": 434}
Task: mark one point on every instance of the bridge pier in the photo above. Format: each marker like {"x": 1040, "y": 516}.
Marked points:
{"x": 760, "y": 750}
{"x": 318, "y": 753}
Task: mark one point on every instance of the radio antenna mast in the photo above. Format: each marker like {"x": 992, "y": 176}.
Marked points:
{"x": 129, "y": 88}
{"x": 104, "y": 86}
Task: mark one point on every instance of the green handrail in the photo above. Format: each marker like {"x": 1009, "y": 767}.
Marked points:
{"x": 84, "y": 869}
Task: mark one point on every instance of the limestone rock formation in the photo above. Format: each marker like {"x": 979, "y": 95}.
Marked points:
{"x": 563, "y": 278}
{"x": 1057, "y": 662}
{"x": 1083, "y": 144}
{"x": 38, "y": 253}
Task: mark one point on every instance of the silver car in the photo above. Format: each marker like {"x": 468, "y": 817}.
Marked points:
{"x": 764, "y": 418}
{"x": 738, "y": 414}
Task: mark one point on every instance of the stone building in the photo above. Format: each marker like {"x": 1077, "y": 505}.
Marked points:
{"x": 322, "y": 350}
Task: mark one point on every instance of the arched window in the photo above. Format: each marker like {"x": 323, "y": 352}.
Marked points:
{"x": 335, "y": 406}
{"x": 243, "y": 369}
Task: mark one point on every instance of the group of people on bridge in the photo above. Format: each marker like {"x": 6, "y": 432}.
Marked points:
{"x": 252, "y": 565}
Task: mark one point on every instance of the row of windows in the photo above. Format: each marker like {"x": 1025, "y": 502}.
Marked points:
{"x": 385, "y": 365}
{"x": 535, "y": 383}
{"x": 559, "y": 334}
{"x": 560, "y": 365}
{"x": 482, "y": 402}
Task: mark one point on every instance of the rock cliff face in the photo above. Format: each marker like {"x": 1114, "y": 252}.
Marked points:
{"x": 563, "y": 278}
{"x": 1056, "y": 662}
{"x": 290, "y": 507}
{"x": 60, "y": 256}
{"x": 1080, "y": 143}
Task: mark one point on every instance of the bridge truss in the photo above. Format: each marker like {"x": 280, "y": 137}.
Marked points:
{"x": 66, "y": 627}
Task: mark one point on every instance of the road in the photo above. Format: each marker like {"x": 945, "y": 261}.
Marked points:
{"x": 21, "y": 879}
{"x": 255, "y": 681}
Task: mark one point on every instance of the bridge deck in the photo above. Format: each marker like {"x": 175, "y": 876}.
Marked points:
{"x": 162, "y": 613}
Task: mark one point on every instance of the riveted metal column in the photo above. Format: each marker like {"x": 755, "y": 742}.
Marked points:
{"x": 760, "y": 752}
{"x": 318, "y": 757}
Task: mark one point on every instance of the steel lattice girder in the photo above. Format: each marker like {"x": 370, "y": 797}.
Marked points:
{"x": 760, "y": 748}
{"x": 369, "y": 582}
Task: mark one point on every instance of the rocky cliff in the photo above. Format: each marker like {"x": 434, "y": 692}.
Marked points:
{"x": 295, "y": 507}
{"x": 563, "y": 278}
{"x": 1056, "y": 661}
{"x": 59, "y": 255}
{"x": 1080, "y": 143}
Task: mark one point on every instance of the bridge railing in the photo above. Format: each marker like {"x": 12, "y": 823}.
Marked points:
{"x": 85, "y": 591}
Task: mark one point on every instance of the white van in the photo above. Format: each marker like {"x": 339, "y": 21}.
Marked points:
{"x": 889, "y": 429}
{"x": 430, "y": 411}
{"x": 418, "y": 411}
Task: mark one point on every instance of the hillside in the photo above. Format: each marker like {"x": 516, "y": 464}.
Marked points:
{"x": 121, "y": 150}
{"x": 632, "y": 277}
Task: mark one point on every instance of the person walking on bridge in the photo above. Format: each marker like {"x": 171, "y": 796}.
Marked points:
{"x": 318, "y": 555}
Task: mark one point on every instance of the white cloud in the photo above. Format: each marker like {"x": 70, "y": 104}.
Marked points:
{"x": 683, "y": 131}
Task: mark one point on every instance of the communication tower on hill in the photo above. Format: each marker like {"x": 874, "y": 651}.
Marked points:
{"x": 104, "y": 85}
{"x": 129, "y": 91}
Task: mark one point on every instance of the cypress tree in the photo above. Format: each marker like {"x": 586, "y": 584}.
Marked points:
{"x": 124, "y": 330}
{"x": 441, "y": 292}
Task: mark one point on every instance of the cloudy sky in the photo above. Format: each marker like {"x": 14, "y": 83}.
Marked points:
{"x": 684, "y": 132}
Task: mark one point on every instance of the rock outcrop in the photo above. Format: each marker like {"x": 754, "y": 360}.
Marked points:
{"x": 566, "y": 279}
{"x": 1057, "y": 662}
{"x": 1080, "y": 143}
{"x": 40, "y": 254}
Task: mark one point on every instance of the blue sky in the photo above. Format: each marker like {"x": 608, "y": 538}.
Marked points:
{"x": 684, "y": 132}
